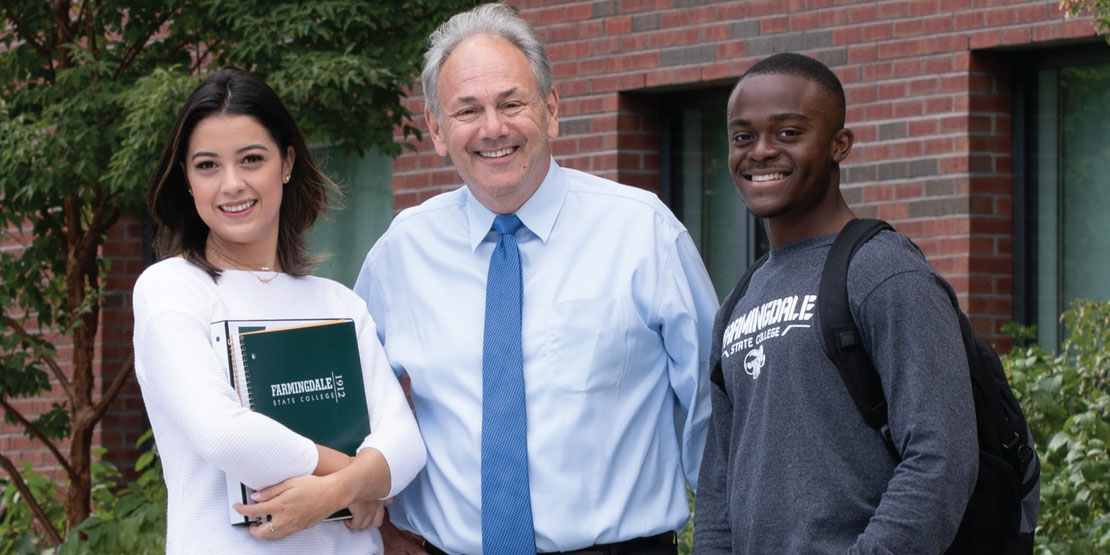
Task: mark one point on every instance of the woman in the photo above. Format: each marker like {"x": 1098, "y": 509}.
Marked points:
{"x": 233, "y": 194}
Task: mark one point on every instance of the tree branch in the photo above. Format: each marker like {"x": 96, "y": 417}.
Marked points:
{"x": 71, "y": 215}
{"x": 25, "y": 34}
{"x": 60, "y": 11}
{"x": 36, "y": 509}
{"x": 137, "y": 47}
{"x": 201, "y": 56}
{"x": 59, "y": 375}
{"x": 89, "y": 19}
{"x": 113, "y": 390}
{"x": 35, "y": 431}
{"x": 86, "y": 243}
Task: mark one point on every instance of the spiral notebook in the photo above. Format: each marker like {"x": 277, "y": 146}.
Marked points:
{"x": 305, "y": 374}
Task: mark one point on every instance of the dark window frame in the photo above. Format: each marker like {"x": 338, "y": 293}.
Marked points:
{"x": 1027, "y": 65}
{"x": 672, "y": 107}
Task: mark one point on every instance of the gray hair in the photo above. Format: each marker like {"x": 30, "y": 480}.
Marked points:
{"x": 497, "y": 20}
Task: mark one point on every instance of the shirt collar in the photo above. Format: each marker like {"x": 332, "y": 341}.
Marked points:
{"x": 538, "y": 213}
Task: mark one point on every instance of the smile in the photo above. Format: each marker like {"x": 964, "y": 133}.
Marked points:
{"x": 767, "y": 177}
{"x": 496, "y": 153}
{"x": 236, "y": 208}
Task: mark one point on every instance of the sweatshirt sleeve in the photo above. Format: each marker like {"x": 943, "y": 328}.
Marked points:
{"x": 182, "y": 378}
{"x": 911, "y": 329}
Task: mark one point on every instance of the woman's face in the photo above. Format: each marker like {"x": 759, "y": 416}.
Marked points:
{"x": 235, "y": 172}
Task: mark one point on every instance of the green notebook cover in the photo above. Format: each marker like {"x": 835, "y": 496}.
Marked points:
{"x": 309, "y": 378}
{"x": 304, "y": 373}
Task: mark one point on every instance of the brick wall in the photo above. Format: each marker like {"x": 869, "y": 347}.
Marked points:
{"x": 927, "y": 98}
{"x": 124, "y": 422}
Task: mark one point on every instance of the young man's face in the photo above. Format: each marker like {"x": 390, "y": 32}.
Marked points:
{"x": 786, "y": 138}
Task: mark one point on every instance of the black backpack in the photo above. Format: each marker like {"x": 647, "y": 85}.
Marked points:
{"x": 1001, "y": 514}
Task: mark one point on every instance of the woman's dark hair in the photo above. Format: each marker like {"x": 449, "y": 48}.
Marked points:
{"x": 305, "y": 197}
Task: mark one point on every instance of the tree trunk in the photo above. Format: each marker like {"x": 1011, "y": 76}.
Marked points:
{"x": 81, "y": 423}
{"x": 81, "y": 272}
{"x": 80, "y": 482}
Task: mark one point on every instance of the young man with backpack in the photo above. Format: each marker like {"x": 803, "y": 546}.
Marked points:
{"x": 791, "y": 465}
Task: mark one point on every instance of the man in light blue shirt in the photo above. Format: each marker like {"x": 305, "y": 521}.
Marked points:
{"x": 614, "y": 322}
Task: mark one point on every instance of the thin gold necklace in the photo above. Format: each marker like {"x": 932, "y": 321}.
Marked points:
{"x": 248, "y": 268}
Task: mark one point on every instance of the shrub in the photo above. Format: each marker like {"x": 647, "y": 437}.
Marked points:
{"x": 1066, "y": 398}
{"x": 129, "y": 516}
{"x": 17, "y": 524}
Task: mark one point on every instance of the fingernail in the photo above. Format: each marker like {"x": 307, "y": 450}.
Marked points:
{"x": 256, "y": 496}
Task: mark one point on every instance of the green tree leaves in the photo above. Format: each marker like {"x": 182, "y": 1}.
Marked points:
{"x": 1100, "y": 9}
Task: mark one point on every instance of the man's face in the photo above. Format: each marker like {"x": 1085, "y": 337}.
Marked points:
{"x": 494, "y": 123}
{"x": 786, "y": 138}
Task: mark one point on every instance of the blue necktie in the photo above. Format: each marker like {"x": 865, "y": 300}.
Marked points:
{"x": 506, "y": 499}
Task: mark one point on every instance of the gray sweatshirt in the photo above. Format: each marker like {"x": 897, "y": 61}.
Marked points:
{"x": 790, "y": 466}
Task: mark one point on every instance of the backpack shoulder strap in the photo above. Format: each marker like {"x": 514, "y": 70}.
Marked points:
{"x": 716, "y": 374}
{"x": 839, "y": 333}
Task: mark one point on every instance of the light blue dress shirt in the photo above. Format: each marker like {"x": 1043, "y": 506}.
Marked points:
{"x": 617, "y": 315}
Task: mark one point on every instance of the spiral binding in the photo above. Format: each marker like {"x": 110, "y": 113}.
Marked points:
{"x": 231, "y": 366}
{"x": 246, "y": 374}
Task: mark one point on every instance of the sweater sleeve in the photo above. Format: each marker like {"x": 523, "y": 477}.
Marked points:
{"x": 181, "y": 377}
{"x": 393, "y": 428}
{"x": 911, "y": 329}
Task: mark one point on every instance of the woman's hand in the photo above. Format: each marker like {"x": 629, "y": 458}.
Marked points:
{"x": 293, "y": 505}
{"x": 301, "y": 502}
{"x": 366, "y": 514}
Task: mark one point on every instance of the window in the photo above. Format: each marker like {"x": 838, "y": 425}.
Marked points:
{"x": 345, "y": 235}
{"x": 1063, "y": 229}
{"x": 697, "y": 186}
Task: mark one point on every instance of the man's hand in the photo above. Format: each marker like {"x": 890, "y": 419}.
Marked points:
{"x": 366, "y": 514}
{"x": 400, "y": 542}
